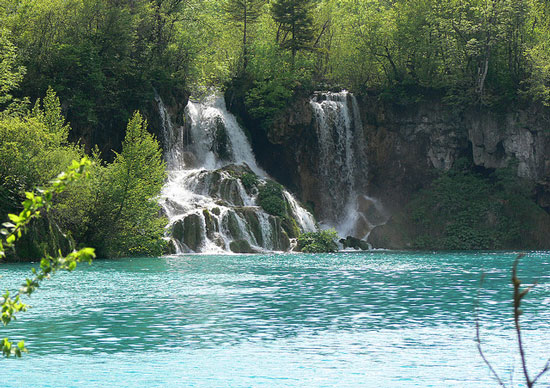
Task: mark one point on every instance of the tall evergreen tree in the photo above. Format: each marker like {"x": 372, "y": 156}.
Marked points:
{"x": 244, "y": 13}
{"x": 295, "y": 21}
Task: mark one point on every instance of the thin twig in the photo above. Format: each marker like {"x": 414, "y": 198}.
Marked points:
{"x": 543, "y": 371}
{"x": 518, "y": 296}
{"x": 478, "y": 336}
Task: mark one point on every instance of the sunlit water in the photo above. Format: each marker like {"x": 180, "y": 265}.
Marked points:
{"x": 383, "y": 319}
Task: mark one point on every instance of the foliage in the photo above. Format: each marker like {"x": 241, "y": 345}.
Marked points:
{"x": 104, "y": 58}
{"x": 271, "y": 198}
{"x": 10, "y": 74}
{"x": 13, "y": 230}
{"x": 318, "y": 242}
{"x": 295, "y": 24}
{"x": 538, "y": 82}
{"x": 244, "y": 13}
{"x": 468, "y": 211}
{"x": 249, "y": 181}
{"x": 274, "y": 83}
{"x": 117, "y": 211}
{"x": 33, "y": 149}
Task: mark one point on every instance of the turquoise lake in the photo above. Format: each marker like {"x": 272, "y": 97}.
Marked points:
{"x": 376, "y": 319}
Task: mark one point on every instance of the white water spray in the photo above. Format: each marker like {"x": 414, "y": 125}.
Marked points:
{"x": 343, "y": 166}
{"x": 204, "y": 198}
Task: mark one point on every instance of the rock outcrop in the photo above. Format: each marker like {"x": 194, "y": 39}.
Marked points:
{"x": 409, "y": 145}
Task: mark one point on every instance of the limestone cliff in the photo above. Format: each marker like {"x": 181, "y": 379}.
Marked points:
{"x": 409, "y": 145}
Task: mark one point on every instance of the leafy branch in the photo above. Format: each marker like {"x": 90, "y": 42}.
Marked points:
{"x": 13, "y": 230}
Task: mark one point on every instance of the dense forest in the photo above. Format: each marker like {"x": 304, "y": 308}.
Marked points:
{"x": 74, "y": 72}
{"x": 104, "y": 58}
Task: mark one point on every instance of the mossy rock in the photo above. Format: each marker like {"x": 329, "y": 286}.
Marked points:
{"x": 221, "y": 146}
{"x": 170, "y": 248}
{"x": 189, "y": 231}
{"x": 233, "y": 226}
{"x": 211, "y": 224}
{"x": 291, "y": 227}
{"x": 253, "y": 225}
{"x": 250, "y": 182}
{"x": 177, "y": 230}
{"x": 228, "y": 190}
{"x": 281, "y": 242}
{"x": 241, "y": 246}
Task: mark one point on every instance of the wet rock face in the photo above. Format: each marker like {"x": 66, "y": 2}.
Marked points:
{"x": 291, "y": 123}
{"x": 407, "y": 146}
{"x": 241, "y": 246}
{"x": 189, "y": 231}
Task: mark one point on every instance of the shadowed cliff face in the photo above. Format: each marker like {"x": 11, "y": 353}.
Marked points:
{"x": 408, "y": 146}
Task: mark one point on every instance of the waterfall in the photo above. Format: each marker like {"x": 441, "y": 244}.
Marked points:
{"x": 210, "y": 196}
{"x": 343, "y": 167}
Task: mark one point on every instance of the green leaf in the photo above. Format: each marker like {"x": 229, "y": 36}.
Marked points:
{"x": 72, "y": 266}
{"x": 13, "y": 218}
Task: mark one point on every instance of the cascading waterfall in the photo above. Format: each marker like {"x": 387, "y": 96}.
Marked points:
{"x": 210, "y": 206}
{"x": 342, "y": 166}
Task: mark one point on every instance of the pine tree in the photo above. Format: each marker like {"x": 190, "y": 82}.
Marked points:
{"x": 244, "y": 13}
{"x": 295, "y": 19}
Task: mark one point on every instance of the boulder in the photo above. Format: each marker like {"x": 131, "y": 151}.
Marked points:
{"x": 241, "y": 246}
{"x": 355, "y": 243}
{"x": 189, "y": 231}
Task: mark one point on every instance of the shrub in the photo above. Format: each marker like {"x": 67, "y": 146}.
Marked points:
{"x": 463, "y": 210}
{"x": 318, "y": 242}
{"x": 271, "y": 199}
{"x": 249, "y": 181}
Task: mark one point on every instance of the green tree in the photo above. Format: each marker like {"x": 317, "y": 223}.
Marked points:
{"x": 10, "y": 74}
{"x": 33, "y": 150}
{"x": 538, "y": 53}
{"x": 244, "y": 13}
{"x": 121, "y": 212}
{"x": 295, "y": 24}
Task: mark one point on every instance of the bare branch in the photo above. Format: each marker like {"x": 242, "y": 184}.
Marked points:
{"x": 478, "y": 336}
{"x": 543, "y": 371}
{"x": 518, "y": 296}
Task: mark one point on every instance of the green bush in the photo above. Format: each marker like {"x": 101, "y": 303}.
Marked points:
{"x": 271, "y": 198}
{"x": 249, "y": 181}
{"x": 318, "y": 242}
{"x": 463, "y": 210}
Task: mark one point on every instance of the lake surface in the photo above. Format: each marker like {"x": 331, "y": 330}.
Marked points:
{"x": 377, "y": 319}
